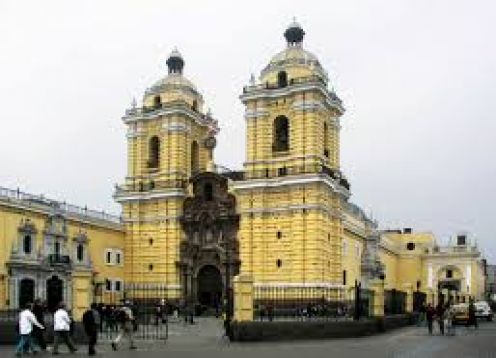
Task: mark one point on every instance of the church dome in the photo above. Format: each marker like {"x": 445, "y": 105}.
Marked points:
{"x": 173, "y": 87}
{"x": 294, "y": 59}
{"x": 175, "y": 78}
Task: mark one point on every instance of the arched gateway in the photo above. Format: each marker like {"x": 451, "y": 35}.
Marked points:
{"x": 209, "y": 256}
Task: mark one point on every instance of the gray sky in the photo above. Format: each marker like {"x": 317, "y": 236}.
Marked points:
{"x": 417, "y": 79}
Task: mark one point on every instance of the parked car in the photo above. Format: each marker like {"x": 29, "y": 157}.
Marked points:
{"x": 483, "y": 310}
{"x": 461, "y": 313}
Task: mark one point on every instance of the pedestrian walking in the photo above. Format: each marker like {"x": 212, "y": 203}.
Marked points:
{"x": 101, "y": 313}
{"x": 450, "y": 321}
{"x": 38, "y": 334}
{"x": 429, "y": 316}
{"x": 25, "y": 325}
{"x": 421, "y": 315}
{"x": 91, "y": 323}
{"x": 61, "y": 327}
{"x": 440, "y": 317}
{"x": 126, "y": 322}
{"x": 472, "y": 319}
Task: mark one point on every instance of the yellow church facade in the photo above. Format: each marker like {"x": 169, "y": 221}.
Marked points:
{"x": 190, "y": 226}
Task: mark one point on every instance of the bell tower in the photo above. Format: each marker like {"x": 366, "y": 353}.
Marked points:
{"x": 292, "y": 192}
{"x": 292, "y": 117}
{"x": 169, "y": 139}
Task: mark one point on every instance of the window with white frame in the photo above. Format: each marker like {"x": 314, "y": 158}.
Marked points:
{"x": 80, "y": 252}
{"x": 118, "y": 285}
{"x": 118, "y": 257}
{"x": 108, "y": 257}
{"x": 114, "y": 257}
{"x": 108, "y": 285}
{"x": 27, "y": 244}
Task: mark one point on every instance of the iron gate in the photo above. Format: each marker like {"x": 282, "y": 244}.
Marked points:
{"x": 150, "y": 306}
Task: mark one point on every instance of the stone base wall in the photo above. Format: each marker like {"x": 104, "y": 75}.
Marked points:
{"x": 285, "y": 331}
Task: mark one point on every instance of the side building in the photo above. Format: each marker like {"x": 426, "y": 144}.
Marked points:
{"x": 418, "y": 262}
{"x": 57, "y": 252}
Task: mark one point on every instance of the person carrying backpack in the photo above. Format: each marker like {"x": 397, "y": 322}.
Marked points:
{"x": 126, "y": 321}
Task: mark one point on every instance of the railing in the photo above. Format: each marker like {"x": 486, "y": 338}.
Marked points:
{"x": 307, "y": 303}
{"x": 141, "y": 185}
{"x": 56, "y": 259}
{"x": 40, "y": 200}
{"x": 151, "y": 309}
{"x": 293, "y": 81}
{"x": 454, "y": 249}
{"x": 286, "y": 171}
{"x": 140, "y": 111}
{"x": 394, "y": 302}
{"x": 12, "y": 315}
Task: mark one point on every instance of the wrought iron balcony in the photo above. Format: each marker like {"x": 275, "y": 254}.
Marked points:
{"x": 56, "y": 259}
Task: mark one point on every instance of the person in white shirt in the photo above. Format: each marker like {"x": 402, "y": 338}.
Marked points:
{"x": 26, "y": 322}
{"x": 62, "y": 327}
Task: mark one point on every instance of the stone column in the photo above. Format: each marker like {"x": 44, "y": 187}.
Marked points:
{"x": 408, "y": 287}
{"x": 377, "y": 286}
{"x": 243, "y": 298}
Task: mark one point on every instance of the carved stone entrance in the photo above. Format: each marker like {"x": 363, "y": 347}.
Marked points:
{"x": 209, "y": 255}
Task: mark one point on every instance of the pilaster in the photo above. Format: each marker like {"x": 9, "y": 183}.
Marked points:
{"x": 243, "y": 298}
{"x": 377, "y": 286}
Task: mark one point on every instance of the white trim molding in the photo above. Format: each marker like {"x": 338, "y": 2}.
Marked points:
{"x": 290, "y": 180}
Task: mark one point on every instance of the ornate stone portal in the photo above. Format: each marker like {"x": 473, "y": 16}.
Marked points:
{"x": 209, "y": 255}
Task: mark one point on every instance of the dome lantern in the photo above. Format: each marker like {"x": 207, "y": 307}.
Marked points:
{"x": 175, "y": 62}
{"x": 294, "y": 33}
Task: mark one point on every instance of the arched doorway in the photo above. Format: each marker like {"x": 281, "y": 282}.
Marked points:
{"x": 55, "y": 292}
{"x": 209, "y": 286}
{"x": 26, "y": 292}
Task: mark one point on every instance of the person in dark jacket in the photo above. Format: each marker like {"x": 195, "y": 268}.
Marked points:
{"x": 429, "y": 316}
{"x": 472, "y": 319}
{"x": 91, "y": 322}
{"x": 440, "y": 317}
{"x": 38, "y": 334}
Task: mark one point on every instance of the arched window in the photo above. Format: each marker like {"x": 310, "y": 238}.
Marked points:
{"x": 157, "y": 102}
{"x": 326, "y": 141}
{"x": 195, "y": 157}
{"x": 281, "y": 134}
{"x": 154, "y": 152}
{"x": 27, "y": 244}
{"x": 80, "y": 252}
{"x": 282, "y": 79}
{"x": 208, "y": 192}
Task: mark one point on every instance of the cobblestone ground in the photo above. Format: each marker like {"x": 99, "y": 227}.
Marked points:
{"x": 204, "y": 339}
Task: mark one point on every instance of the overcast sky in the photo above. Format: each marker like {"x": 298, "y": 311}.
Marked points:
{"x": 417, "y": 79}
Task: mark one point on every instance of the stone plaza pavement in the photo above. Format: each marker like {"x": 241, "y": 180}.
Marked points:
{"x": 204, "y": 339}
